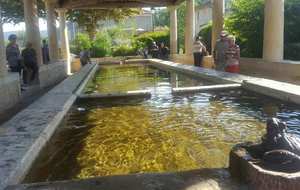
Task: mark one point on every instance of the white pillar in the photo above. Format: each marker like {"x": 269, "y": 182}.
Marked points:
{"x": 217, "y": 20}
{"x": 3, "y": 69}
{"x": 32, "y": 26}
{"x": 274, "y": 30}
{"x": 65, "y": 51}
{"x": 189, "y": 26}
{"x": 173, "y": 30}
{"x": 52, "y": 32}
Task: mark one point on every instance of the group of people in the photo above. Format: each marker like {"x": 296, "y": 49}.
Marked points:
{"x": 161, "y": 51}
{"x": 25, "y": 63}
{"x": 226, "y": 53}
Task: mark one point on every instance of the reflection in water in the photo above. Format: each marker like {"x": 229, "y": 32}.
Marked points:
{"x": 164, "y": 133}
{"x": 124, "y": 78}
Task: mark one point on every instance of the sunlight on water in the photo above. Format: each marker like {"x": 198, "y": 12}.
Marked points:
{"x": 122, "y": 78}
{"x": 145, "y": 138}
{"x": 162, "y": 134}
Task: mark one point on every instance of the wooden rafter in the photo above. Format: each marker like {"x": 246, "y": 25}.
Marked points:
{"x": 100, "y": 4}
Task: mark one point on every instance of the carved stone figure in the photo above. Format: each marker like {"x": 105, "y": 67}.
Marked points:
{"x": 278, "y": 150}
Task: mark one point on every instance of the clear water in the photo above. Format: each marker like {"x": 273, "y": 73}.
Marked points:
{"x": 165, "y": 133}
{"x": 123, "y": 78}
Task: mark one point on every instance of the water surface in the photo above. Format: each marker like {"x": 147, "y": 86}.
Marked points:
{"x": 165, "y": 133}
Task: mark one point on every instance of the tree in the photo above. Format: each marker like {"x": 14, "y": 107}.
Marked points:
{"x": 246, "y": 22}
{"x": 88, "y": 19}
{"x": 292, "y": 30}
{"x": 162, "y": 18}
{"x": 12, "y": 11}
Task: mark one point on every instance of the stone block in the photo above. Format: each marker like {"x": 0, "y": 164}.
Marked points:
{"x": 243, "y": 167}
{"x": 52, "y": 74}
{"x": 10, "y": 91}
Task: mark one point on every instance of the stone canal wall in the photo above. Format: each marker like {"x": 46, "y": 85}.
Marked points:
{"x": 24, "y": 136}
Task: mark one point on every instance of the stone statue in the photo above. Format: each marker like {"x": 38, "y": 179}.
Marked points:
{"x": 279, "y": 150}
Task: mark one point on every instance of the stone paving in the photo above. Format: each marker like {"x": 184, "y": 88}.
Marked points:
{"x": 22, "y": 137}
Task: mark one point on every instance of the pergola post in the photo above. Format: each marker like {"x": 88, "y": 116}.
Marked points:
{"x": 189, "y": 27}
{"x": 217, "y": 20}
{"x": 65, "y": 51}
{"x": 52, "y": 32}
{"x": 273, "y": 30}
{"x": 32, "y": 27}
{"x": 173, "y": 30}
{"x": 3, "y": 69}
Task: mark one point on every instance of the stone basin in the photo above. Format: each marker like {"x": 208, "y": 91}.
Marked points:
{"x": 245, "y": 168}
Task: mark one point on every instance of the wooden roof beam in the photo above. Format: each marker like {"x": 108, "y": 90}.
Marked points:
{"x": 100, "y": 4}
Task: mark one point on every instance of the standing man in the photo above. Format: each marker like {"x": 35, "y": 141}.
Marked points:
{"x": 220, "y": 50}
{"x": 45, "y": 52}
{"x": 30, "y": 62}
{"x": 199, "y": 51}
{"x": 13, "y": 55}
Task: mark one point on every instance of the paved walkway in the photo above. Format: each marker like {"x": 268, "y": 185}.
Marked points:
{"x": 24, "y": 136}
{"x": 28, "y": 96}
{"x": 205, "y": 179}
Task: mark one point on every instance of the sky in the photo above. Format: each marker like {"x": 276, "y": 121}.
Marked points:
{"x": 7, "y": 27}
{"x": 42, "y": 22}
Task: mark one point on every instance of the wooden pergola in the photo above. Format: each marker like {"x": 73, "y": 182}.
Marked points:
{"x": 100, "y": 4}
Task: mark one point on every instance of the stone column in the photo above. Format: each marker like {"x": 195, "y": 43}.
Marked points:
{"x": 52, "y": 32}
{"x": 173, "y": 30}
{"x": 189, "y": 26}
{"x": 3, "y": 69}
{"x": 217, "y": 20}
{"x": 274, "y": 30}
{"x": 32, "y": 27}
{"x": 65, "y": 51}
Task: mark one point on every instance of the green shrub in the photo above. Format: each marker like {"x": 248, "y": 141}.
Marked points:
{"x": 148, "y": 38}
{"x": 101, "y": 45}
{"x": 124, "y": 51}
{"x": 81, "y": 42}
{"x": 291, "y": 51}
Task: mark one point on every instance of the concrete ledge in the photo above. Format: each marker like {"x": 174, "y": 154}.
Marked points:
{"x": 10, "y": 91}
{"x": 86, "y": 80}
{"x": 206, "y": 88}
{"x": 137, "y": 93}
{"x": 203, "y": 73}
{"x": 24, "y": 136}
{"x": 52, "y": 74}
{"x": 207, "y": 61}
{"x": 284, "y": 70}
{"x": 280, "y": 90}
{"x": 205, "y": 179}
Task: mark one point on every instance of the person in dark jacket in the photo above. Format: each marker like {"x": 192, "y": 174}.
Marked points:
{"x": 164, "y": 51}
{"x": 13, "y": 55}
{"x": 85, "y": 57}
{"x": 45, "y": 52}
{"x": 30, "y": 61}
